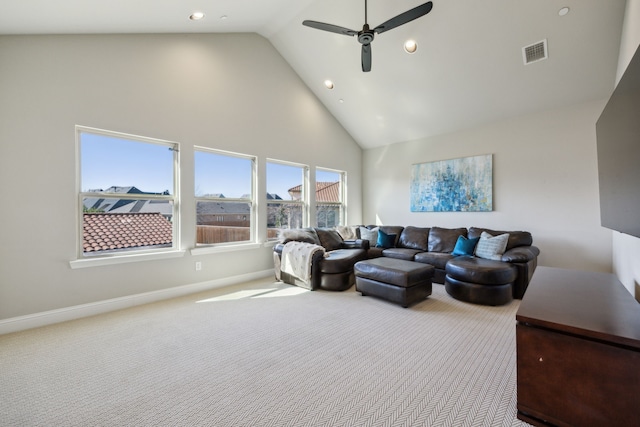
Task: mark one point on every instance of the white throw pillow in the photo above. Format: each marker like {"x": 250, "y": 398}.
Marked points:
{"x": 370, "y": 235}
{"x": 490, "y": 247}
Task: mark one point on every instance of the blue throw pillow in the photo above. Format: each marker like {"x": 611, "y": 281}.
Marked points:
{"x": 385, "y": 240}
{"x": 465, "y": 246}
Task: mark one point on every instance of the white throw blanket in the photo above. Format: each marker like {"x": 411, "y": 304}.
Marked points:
{"x": 296, "y": 259}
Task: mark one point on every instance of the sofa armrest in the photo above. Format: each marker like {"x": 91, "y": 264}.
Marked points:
{"x": 521, "y": 254}
{"x": 278, "y": 247}
{"x": 356, "y": 244}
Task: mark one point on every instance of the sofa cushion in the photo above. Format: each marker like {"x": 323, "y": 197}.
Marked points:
{"x": 347, "y": 232}
{"x": 401, "y": 253}
{"x": 516, "y": 238}
{"x": 341, "y": 260}
{"x": 414, "y": 238}
{"x": 465, "y": 246}
{"x": 520, "y": 254}
{"x": 385, "y": 240}
{"x": 437, "y": 259}
{"x": 307, "y": 235}
{"x": 375, "y": 252}
{"x": 330, "y": 239}
{"x": 444, "y": 239}
{"x": 491, "y": 247}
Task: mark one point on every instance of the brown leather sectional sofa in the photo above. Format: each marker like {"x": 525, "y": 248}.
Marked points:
{"x": 429, "y": 245}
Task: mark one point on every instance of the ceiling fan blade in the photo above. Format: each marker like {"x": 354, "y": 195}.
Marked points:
{"x": 366, "y": 57}
{"x": 329, "y": 27}
{"x": 405, "y": 17}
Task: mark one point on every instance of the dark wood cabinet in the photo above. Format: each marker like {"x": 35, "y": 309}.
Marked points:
{"x": 578, "y": 351}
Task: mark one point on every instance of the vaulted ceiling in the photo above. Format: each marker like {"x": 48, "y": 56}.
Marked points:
{"x": 468, "y": 69}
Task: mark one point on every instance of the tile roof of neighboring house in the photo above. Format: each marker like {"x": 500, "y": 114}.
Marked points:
{"x": 103, "y": 232}
{"x": 325, "y": 191}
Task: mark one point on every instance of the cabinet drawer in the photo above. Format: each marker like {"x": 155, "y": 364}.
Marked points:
{"x": 568, "y": 380}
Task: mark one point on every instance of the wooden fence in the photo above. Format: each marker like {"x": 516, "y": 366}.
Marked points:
{"x": 209, "y": 234}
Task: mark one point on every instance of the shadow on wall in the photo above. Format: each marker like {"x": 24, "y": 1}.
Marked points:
{"x": 637, "y": 292}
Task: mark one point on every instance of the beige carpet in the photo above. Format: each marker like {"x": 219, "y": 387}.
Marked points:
{"x": 267, "y": 354}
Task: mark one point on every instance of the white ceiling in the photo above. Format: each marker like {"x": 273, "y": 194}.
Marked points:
{"x": 468, "y": 69}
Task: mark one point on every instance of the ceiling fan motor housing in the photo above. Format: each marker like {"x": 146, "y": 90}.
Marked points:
{"x": 366, "y": 35}
{"x": 365, "y": 38}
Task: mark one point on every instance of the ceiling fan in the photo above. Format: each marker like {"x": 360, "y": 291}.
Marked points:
{"x": 366, "y": 35}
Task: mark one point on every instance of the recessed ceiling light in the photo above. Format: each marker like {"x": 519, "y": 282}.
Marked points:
{"x": 563, "y": 11}
{"x": 196, "y": 16}
{"x": 328, "y": 84}
{"x": 223, "y": 17}
{"x": 410, "y": 46}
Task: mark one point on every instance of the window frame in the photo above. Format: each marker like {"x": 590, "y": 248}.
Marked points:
{"x": 253, "y": 234}
{"x": 304, "y": 198}
{"x": 127, "y": 255}
{"x": 342, "y": 189}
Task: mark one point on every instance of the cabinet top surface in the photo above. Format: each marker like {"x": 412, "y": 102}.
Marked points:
{"x": 585, "y": 303}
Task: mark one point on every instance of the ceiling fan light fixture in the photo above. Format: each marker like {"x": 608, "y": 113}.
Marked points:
{"x": 196, "y": 16}
{"x": 410, "y": 46}
{"x": 328, "y": 84}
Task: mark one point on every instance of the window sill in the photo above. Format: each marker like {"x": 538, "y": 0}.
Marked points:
{"x": 121, "y": 259}
{"x": 203, "y": 250}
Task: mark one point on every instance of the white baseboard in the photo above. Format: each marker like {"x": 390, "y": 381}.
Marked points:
{"x": 44, "y": 318}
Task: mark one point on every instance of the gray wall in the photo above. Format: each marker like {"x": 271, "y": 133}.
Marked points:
{"x": 626, "y": 249}
{"x": 226, "y": 91}
{"x": 545, "y": 181}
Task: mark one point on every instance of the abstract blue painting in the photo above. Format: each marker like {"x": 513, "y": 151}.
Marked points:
{"x": 458, "y": 185}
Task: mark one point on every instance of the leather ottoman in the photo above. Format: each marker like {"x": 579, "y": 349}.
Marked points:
{"x": 396, "y": 280}
{"x": 480, "y": 281}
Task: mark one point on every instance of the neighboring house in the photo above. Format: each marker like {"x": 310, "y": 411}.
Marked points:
{"x": 111, "y": 205}
{"x": 233, "y": 214}
{"x": 327, "y": 200}
{"x": 106, "y": 205}
{"x": 140, "y": 217}
{"x": 144, "y": 206}
{"x": 325, "y": 192}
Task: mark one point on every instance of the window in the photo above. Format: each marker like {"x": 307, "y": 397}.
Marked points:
{"x": 127, "y": 193}
{"x": 286, "y": 197}
{"x": 330, "y": 189}
{"x": 224, "y": 187}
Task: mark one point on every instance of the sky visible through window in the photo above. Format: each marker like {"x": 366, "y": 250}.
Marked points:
{"x": 281, "y": 177}
{"x": 222, "y": 174}
{"x": 108, "y": 161}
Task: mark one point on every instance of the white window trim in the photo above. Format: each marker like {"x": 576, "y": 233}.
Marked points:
{"x": 304, "y": 200}
{"x": 123, "y": 259}
{"x": 224, "y": 247}
{"x": 205, "y": 248}
{"x": 343, "y": 193}
{"x": 82, "y": 260}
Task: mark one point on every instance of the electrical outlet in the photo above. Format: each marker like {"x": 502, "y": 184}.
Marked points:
{"x": 198, "y": 265}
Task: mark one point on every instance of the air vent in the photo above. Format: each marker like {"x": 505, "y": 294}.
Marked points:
{"x": 535, "y": 52}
